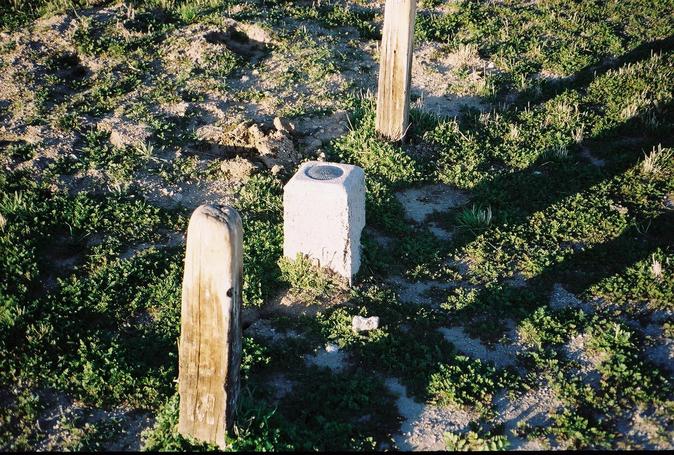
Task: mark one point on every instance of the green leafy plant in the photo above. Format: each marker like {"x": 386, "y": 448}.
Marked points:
{"x": 306, "y": 280}
{"x": 471, "y": 441}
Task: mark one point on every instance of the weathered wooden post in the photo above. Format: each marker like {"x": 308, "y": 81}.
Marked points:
{"x": 395, "y": 68}
{"x": 210, "y": 331}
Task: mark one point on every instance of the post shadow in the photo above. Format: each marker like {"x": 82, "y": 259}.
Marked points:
{"x": 515, "y": 196}
{"x": 585, "y": 76}
{"x": 577, "y": 273}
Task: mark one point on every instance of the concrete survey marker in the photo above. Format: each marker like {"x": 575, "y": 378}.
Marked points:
{"x": 324, "y": 215}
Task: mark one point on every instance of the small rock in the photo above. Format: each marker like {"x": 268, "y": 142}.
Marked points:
{"x": 361, "y": 324}
{"x": 669, "y": 201}
{"x": 283, "y": 125}
{"x": 276, "y": 169}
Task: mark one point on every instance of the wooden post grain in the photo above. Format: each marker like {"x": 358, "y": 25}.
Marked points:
{"x": 210, "y": 330}
{"x": 395, "y": 68}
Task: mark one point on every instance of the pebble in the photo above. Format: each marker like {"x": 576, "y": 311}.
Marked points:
{"x": 361, "y": 324}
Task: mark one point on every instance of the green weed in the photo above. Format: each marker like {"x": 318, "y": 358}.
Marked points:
{"x": 471, "y": 441}
{"x": 306, "y": 280}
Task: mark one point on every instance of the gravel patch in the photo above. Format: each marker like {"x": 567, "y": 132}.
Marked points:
{"x": 440, "y": 232}
{"x": 562, "y": 299}
{"x": 503, "y": 355}
{"x": 420, "y": 202}
{"x": 263, "y": 329}
{"x": 576, "y": 350}
{"x": 417, "y": 292}
{"x": 424, "y": 425}
{"x": 645, "y": 429}
{"x": 532, "y": 408}
{"x": 662, "y": 354}
{"x": 329, "y": 356}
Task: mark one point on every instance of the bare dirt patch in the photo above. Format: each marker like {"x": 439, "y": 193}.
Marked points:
{"x": 285, "y": 302}
{"x": 262, "y": 328}
{"x": 646, "y": 429}
{"x": 329, "y": 356}
{"x": 124, "y": 132}
{"x": 417, "y": 292}
{"x": 501, "y": 355}
{"x": 662, "y": 354}
{"x": 123, "y": 434}
{"x": 421, "y": 202}
{"x": 435, "y": 83}
{"x": 561, "y": 299}
{"x": 184, "y": 194}
{"x": 532, "y": 408}
{"x": 588, "y": 362}
{"x": 281, "y": 386}
{"x": 424, "y": 426}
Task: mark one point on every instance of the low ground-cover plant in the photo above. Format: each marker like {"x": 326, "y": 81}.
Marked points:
{"x": 474, "y": 442}
{"x": 260, "y": 204}
{"x": 306, "y": 280}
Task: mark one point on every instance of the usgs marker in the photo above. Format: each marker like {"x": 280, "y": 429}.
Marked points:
{"x": 324, "y": 215}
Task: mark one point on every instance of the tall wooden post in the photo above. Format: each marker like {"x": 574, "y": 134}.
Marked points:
{"x": 395, "y": 68}
{"x": 210, "y": 328}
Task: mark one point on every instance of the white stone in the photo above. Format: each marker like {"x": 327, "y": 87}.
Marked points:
{"x": 361, "y": 324}
{"x": 323, "y": 219}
